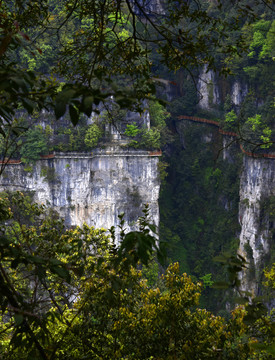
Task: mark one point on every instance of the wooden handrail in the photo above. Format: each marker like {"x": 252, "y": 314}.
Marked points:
{"x": 228, "y": 133}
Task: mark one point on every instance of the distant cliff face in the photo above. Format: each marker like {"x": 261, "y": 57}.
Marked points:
{"x": 93, "y": 189}
{"x": 254, "y": 180}
{"x": 210, "y": 90}
{"x": 257, "y": 194}
{"x": 151, "y": 7}
{"x": 257, "y": 185}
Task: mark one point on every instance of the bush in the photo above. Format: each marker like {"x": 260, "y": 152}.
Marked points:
{"x": 151, "y": 138}
{"x": 158, "y": 114}
{"x": 131, "y": 130}
{"x": 92, "y": 136}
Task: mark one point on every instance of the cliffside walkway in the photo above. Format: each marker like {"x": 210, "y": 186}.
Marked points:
{"x": 96, "y": 153}
{"x": 228, "y": 133}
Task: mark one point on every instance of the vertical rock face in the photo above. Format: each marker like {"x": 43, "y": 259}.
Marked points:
{"x": 238, "y": 93}
{"x": 151, "y": 7}
{"x": 257, "y": 189}
{"x": 92, "y": 188}
{"x": 208, "y": 89}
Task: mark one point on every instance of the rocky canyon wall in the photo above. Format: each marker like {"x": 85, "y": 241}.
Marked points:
{"x": 253, "y": 179}
{"x": 257, "y": 186}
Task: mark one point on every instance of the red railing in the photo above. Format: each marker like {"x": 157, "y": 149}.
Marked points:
{"x": 50, "y": 156}
{"x": 16, "y": 162}
{"x": 11, "y": 161}
{"x": 228, "y": 133}
{"x": 155, "y": 153}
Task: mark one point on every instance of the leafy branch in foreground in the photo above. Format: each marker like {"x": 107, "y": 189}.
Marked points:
{"x": 108, "y": 48}
{"x": 72, "y": 293}
{"x": 259, "y": 322}
{"x": 44, "y": 268}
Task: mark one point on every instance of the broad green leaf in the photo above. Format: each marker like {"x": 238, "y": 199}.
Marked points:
{"x": 74, "y": 114}
{"x": 88, "y": 104}
{"x": 18, "y": 318}
{"x": 60, "y": 109}
{"x": 28, "y": 105}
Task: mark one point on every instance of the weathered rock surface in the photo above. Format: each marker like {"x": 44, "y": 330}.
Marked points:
{"x": 257, "y": 187}
{"x": 93, "y": 189}
{"x": 238, "y": 93}
{"x": 208, "y": 89}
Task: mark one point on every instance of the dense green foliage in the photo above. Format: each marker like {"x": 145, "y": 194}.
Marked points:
{"x": 68, "y": 294}
{"x": 199, "y": 203}
{"x": 92, "y": 135}
{"x": 109, "y": 50}
{"x": 255, "y": 121}
{"x": 112, "y": 49}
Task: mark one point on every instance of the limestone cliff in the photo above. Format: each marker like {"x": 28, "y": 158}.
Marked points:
{"x": 256, "y": 215}
{"x": 92, "y": 188}
{"x": 211, "y": 91}
{"x": 208, "y": 89}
